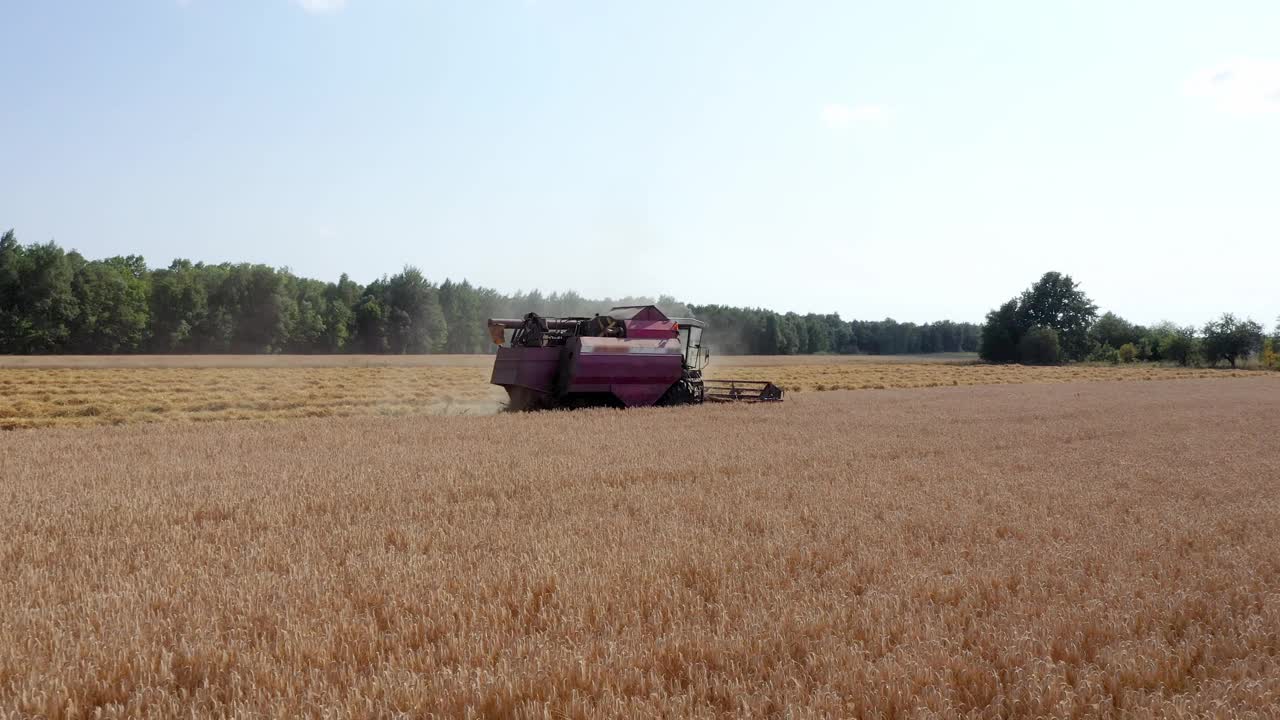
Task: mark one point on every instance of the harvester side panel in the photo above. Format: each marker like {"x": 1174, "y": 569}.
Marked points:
{"x": 528, "y": 367}
{"x": 636, "y": 371}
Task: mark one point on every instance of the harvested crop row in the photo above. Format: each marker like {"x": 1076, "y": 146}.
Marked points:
{"x": 80, "y": 396}
{"x": 1063, "y": 550}
{"x": 872, "y": 376}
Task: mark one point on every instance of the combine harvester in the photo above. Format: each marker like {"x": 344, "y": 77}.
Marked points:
{"x": 633, "y": 357}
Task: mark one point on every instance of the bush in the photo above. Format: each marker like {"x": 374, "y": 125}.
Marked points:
{"x": 1270, "y": 358}
{"x": 1039, "y": 347}
{"x": 1127, "y": 353}
{"x": 1104, "y": 353}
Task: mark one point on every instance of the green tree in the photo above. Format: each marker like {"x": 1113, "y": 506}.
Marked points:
{"x": 1271, "y": 354}
{"x": 249, "y": 310}
{"x": 179, "y": 303}
{"x": 772, "y": 341}
{"x": 14, "y": 323}
{"x": 415, "y": 323}
{"x": 1229, "y": 338}
{"x": 1154, "y": 339}
{"x": 111, "y": 299}
{"x": 840, "y": 334}
{"x": 308, "y": 329}
{"x": 1056, "y": 301}
{"x": 1001, "y": 334}
{"x": 401, "y": 314}
{"x": 37, "y": 304}
{"x": 1272, "y": 360}
{"x": 817, "y": 333}
{"x": 266, "y": 313}
{"x": 1113, "y": 330}
{"x": 1175, "y": 344}
{"x": 789, "y": 338}
{"x": 464, "y": 316}
{"x": 340, "y": 315}
{"x": 371, "y": 321}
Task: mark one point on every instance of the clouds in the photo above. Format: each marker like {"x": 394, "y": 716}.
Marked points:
{"x": 321, "y": 6}
{"x": 1240, "y": 86}
{"x": 838, "y": 116}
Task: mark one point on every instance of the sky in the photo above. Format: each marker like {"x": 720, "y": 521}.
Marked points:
{"x": 914, "y": 160}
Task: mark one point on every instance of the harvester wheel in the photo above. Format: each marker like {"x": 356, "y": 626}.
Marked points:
{"x": 682, "y": 392}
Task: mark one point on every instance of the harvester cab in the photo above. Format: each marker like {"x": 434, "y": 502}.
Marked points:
{"x": 690, "y": 330}
{"x": 631, "y": 356}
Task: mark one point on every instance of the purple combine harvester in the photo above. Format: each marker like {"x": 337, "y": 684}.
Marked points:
{"x": 632, "y": 357}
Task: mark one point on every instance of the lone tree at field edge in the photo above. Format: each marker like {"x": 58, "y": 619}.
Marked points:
{"x": 1055, "y": 302}
{"x": 1229, "y": 338}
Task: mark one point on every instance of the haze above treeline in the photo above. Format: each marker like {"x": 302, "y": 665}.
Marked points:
{"x": 54, "y": 301}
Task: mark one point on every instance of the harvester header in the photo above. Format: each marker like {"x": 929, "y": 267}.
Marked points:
{"x": 632, "y": 356}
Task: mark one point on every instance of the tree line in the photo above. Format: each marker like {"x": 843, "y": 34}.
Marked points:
{"x": 56, "y": 301}
{"x": 1055, "y": 321}
{"x": 756, "y": 331}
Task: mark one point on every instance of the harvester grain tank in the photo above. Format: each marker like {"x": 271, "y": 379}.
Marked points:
{"x": 633, "y": 356}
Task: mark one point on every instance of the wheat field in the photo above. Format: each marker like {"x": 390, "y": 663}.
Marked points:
{"x": 1019, "y": 551}
{"x": 88, "y": 391}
